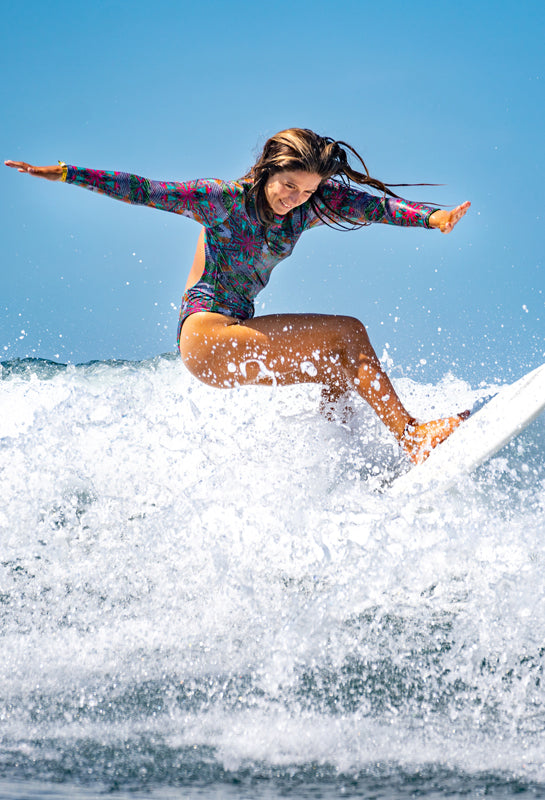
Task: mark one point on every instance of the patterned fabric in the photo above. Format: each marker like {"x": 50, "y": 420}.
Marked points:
{"x": 239, "y": 254}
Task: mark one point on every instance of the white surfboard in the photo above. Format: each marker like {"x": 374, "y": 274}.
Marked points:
{"x": 479, "y": 437}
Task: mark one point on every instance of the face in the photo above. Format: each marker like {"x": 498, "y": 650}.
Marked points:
{"x": 287, "y": 189}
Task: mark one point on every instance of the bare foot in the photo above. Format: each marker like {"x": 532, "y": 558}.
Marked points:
{"x": 419, "y": 439}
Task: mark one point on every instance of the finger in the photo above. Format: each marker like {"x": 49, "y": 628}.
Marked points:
{"x": 457, "y": 214}
{"x": 52, "y": 173}
{"x": 21, "y": 166}
{"x": 462, "y": 209}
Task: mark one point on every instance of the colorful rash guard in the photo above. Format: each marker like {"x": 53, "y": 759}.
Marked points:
{"x": 239, "y": 253}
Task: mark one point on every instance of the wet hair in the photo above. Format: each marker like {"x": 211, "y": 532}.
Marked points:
{"x": 302, "y": 149}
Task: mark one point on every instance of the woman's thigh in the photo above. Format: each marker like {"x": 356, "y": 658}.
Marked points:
{"x": 278, "y": 348}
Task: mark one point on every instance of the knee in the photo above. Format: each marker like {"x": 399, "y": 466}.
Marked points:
{"x": 350, "y": 335}
{"x": 352, "y": 346}
{"x": 353, "y": 328}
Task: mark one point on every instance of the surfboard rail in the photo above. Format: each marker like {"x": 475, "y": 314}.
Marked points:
{"x": 480, "y": 437}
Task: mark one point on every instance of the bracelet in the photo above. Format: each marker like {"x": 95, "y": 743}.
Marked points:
{"x": 64, "y": 170}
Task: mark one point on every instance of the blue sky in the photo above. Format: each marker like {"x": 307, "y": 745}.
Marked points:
{"x": 448, "y": 93}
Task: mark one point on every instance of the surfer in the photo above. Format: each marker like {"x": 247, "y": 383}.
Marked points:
{"x": 300, "y": 180}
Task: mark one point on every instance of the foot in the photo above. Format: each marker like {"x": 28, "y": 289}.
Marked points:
{"x": 419, "y": 439}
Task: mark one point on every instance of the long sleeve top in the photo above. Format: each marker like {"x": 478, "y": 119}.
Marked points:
{"x": 240, "y": 253}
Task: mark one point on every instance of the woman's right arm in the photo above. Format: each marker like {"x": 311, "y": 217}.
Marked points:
{"x": 201, "y": 200}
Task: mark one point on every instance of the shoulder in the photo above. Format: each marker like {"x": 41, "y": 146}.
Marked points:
{"x": 235, "y": 189}
{"x": 216, "y": 191}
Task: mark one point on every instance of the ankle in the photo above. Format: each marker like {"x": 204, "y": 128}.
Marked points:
{"x": 409, "y": 430}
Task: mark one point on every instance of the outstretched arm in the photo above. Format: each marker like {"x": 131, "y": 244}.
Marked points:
{"x": 446, "y": 220}
{"x": 354, "y": 205}
{"x": 49, "y": 173}
{"x": 201, "y": 200}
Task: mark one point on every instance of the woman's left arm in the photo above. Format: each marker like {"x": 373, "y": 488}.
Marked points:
{"x": 446, "y": 220}
{"x": 354, "y": 205}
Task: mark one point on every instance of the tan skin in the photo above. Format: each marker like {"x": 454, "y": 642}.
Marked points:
{"x": 286, "y": 349}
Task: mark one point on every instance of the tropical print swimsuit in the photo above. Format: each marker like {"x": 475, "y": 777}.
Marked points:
{"x": 240, "y": 253}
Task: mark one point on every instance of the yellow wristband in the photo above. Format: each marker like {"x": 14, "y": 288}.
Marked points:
{"x": 64, "y": 170}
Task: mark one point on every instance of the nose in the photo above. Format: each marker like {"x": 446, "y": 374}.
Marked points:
{"x": 294, "y": 198}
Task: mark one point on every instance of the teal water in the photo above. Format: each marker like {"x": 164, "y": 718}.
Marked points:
{"x": 207, "y": 594}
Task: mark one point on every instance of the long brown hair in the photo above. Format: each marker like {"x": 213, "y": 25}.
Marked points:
{"x": 302, "y": 149}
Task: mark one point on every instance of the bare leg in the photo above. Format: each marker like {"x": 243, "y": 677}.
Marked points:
{"x": 336, "y": 406}
{"x": 285, "y": 349}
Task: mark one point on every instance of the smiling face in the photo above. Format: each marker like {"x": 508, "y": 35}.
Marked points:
{"x": 287, "y": 189}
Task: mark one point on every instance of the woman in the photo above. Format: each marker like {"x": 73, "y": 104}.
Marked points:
{"x": 300, "y": 180}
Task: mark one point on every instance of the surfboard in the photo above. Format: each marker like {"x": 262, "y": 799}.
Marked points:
{"x": 478, "y": 438}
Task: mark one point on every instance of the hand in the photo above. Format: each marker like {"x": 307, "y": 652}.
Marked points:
{"x": 49, "y": 173}
{"x": 446, "y": 220}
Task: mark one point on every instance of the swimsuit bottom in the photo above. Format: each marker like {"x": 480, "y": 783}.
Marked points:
{"x": 195, "y": 300}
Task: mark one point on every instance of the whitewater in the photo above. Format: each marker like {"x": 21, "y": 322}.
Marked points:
{"x": 208, "y": 593}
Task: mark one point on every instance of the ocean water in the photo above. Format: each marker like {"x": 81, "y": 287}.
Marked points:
{"x": 208, "y": 594}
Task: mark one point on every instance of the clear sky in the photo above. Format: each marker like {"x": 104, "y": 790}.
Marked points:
{"x": 446, "y": 93}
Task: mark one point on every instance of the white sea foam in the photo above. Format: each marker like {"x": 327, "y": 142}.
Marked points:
{"x": 219, "y": 568}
